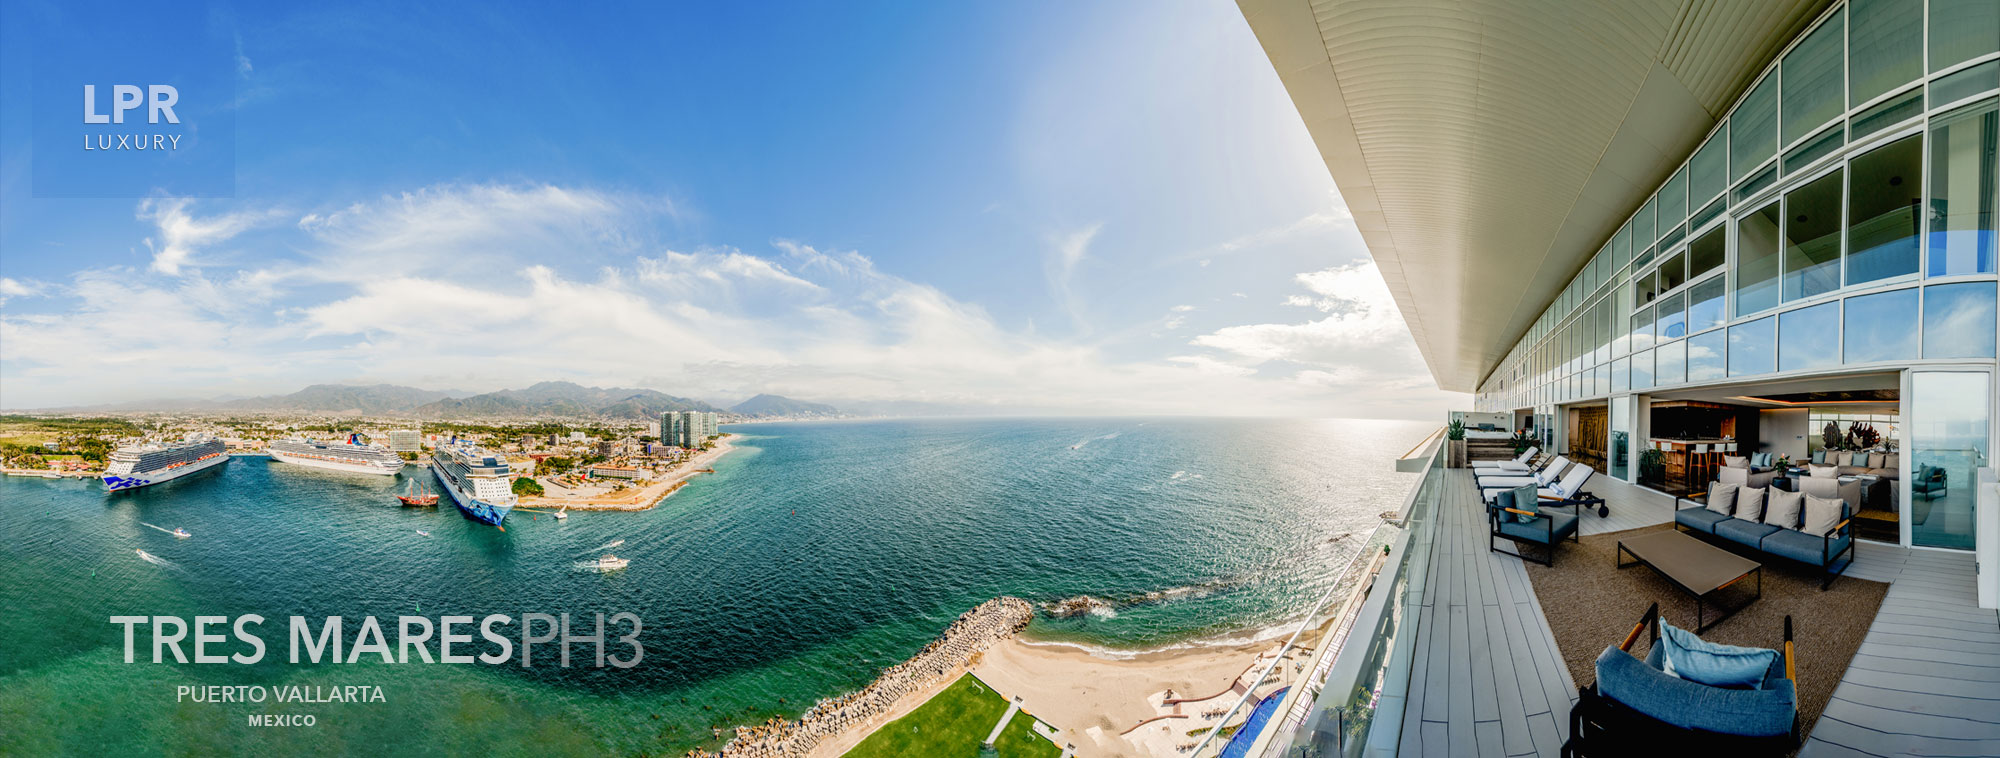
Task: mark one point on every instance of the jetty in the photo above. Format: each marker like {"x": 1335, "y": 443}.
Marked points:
{"x": 945, "y": 657}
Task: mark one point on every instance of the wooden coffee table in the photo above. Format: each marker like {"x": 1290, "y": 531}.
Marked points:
{"x": 1696, "y": 567}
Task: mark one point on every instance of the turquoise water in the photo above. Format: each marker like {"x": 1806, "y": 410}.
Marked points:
{"x": 816, "y": 555}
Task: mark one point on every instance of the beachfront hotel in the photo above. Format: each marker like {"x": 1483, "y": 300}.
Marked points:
{"x": 1686, "y": 252}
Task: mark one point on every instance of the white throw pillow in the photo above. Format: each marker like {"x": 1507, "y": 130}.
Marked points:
{"x": 1781, "y": 508}
{"x": 1822, "y": 513}
{"x": 1721, "y": 498}
{"x": 1829, "y": 471}
{"x": 1750, "y": 503}
{"x": 1736, "y": 461}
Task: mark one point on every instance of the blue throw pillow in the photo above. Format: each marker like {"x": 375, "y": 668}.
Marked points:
{"x": 1525, "y": 500}
{"x": 1819, "y": 457}
{"x": 1689, "y": 657}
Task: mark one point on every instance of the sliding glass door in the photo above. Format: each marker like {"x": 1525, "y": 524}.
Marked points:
{"x": 1950, "y": 418}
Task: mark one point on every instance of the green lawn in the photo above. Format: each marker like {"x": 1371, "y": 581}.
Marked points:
{"x": 952, "y": 725}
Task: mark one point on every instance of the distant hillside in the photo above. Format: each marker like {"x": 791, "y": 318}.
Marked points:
{"x": 563, "y": 399}
{"x": 343, "y": 398}
{"x": 774, "y": 405}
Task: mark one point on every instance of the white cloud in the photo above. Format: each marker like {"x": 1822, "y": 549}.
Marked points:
{"x": 180, "y": 235}
{"x": 12, "y": 288}
{"x": 480, "y": 287}
{"x": 1066, "y": 251}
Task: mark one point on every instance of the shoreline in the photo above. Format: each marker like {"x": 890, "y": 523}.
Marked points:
{"x": 649, "y": 497}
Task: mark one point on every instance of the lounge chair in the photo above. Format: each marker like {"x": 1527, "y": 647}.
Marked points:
{"x": 1546, "y": 528}
{"x": 1636, "y": 708}
{"x": 1569, "y": 491}
{"x": 1519, "y": 464}
{"x": 1490, "y": 478}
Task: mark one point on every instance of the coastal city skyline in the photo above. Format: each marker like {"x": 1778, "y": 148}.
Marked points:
{"x": 1012, "y": 239}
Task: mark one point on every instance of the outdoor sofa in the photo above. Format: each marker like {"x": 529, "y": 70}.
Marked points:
{"x": 1770, "y": 534}
{"x": 1636, "y": 708}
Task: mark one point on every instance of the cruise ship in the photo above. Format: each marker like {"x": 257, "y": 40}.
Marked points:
{"x": 350, "y": 456}
{"x": 476, "y": 479}
{"x": 148, "y": 463}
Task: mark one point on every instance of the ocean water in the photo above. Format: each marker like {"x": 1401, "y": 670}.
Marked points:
{"x": 815, "y": 556}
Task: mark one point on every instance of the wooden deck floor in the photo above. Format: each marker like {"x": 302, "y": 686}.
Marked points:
{"x": 1926, "y": 680}
{"x": 1489, "y": 681}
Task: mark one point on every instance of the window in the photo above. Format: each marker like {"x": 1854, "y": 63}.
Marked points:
{"x": 1672, "y": 360}
{"x": 1674, "y": 200}
{"x": 1949, "y": 415}
{"x": 1809, "y": 338}
{"x": 1815, "y": 85}
{"x": 1621, "y": 245}
{"x": 1705, "y": 304}
{"x": 1673, "y": 316}
{"x": 1673, "y": 272}
{"x": 1707, "y": 253}
{"x": 1757, "y": 261}
{"x": 1878, "y": 327}
{"x": 1750, "y": 348}
{"x": 1645, "y": 287}
{"x": 1962, "y": 30}
{"x": 1882, "y": 207}
{"x": 1708, "y": 170}
{"x": 1642, "y": 225}
{"x": 1753, "y": 129}
{"x": 1958, "y": 320}
{"x": 1642, "y": 370}
{"x": 1705, "y": 357}
{"x": 1964, "y": 204}
{"x": 1885, "y": 46}
{"x": 1812, "y": 238}
{"x": 1642, "y": 328}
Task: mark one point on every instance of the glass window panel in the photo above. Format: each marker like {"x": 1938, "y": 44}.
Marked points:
{"x": 1809, "y": 338}
{"x": 1958, "y": 320}
{"x": 1815, "y": 84}
{"x": 1705, "y": 304}
{"x": 1621, "y": 243}
{"x": 1644, "y": 257}
{"x": 1673, "y": 271}
{"x": 1756, "y": 184}
{"x": 1750, "y": 348}
{"x": 1707, "y": 253}
{"x": 1642, "y": 328}
{"x": 1959, "y": 85}
{"x": 1878, "y": 327}
{"x": 1962, "y": 30}
{"x": 1642, "y": 370}
{"x": 1645, "y": 287}
{"x": 1671, "y": 363}
{"x": 1753, "y": 129}
{"x": 1814, "y": 149}
{"x": 1674, "y": 199}
{"x": 1642, "y": 225}
{"x": 1708, "y": 170}
{"x": 1708, "y": 213}
{"x": 1603, "y": 384}
{"x": 1950, "y": 414}
{"x": 1882, "y": 208}
{"x": 1705, "y": 357}
{"x": 1620, "y": 373}
{"x": 1673, "y": 316}
{"x": 1812, "y": 238}
{"x": 1888, "y": 113}
{"x": 1964, "y": 204}
{"x": 1670, "y": 237}
{"x": 1885, "y": 46}
{"x": 1757, "y": 261}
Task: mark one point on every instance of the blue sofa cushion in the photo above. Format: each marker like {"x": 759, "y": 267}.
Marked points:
{"x": 1799, "y": 546}
{"x": 1537, "y": 531}
{"x": 1699, "y": 519}
{"x": 1819, "y": 457}
{"x": 1743, "y": 532}
{"x": 1697, "y": 660}
{"x": 1762, "y": 712}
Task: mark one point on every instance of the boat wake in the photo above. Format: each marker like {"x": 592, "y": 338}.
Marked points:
{"x": 1179, "y": 475}
{"x": 1102, "y": 607}
{"x": 1111, "y": 436}
{"x": 156, "y": 526}
{"x": 161, "y": 562}
{"x": 603, "y": 547}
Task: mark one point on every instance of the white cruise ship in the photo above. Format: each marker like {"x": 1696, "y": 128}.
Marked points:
{"x": 476, "y": 479}
{"x": 148, "y": 463}
{"x": 347, "y": 456}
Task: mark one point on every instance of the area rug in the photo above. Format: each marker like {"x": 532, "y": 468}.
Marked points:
{"x": 1590, "y": 604}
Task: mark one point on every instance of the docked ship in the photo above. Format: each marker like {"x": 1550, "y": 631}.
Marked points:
{"x": 350, "y": 456}
{"x": 476, "y": 480}
{"x": 148, "y": 463}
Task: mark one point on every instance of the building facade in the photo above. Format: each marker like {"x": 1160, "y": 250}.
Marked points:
{"x": 688, "y": 429}
{"x": 406, "y": 441}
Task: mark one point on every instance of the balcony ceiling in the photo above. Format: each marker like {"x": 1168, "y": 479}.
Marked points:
{"x": 1488, "y": 148}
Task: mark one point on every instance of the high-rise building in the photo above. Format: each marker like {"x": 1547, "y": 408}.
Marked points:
{"x": 406, "y": 441}
{"x": 688, "y": 428}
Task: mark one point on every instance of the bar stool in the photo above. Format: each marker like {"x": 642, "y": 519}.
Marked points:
{"x": 1701, "y": 463}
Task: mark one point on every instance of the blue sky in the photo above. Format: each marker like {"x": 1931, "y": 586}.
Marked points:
{"x": 1046, "y": 207}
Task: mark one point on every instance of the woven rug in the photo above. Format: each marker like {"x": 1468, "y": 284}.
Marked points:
{"x": 1591, "y": 604}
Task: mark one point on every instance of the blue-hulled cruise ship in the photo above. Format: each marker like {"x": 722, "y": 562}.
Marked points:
{"x": 476, "y": 479}
{"x": 134, "y": 466}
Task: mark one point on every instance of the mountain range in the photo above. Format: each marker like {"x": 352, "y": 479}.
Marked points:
{"x": 542, "y": 399}
{"x": 563, "y": 399}
{"x": 775, "y": 405}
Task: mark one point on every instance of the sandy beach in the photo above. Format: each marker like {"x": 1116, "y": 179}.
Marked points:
{"x": 645, "y": 497}
{"x": 1094, "y": 700}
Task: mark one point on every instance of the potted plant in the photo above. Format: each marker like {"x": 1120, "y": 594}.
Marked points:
{"x": 1454, "y": 435}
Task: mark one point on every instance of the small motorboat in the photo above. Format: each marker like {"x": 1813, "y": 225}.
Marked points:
{"x": 181, "y": 533}
{"x": 424, "y": 533}
{"x": 610, "y": 563}
{"x": 562, "y": 514}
